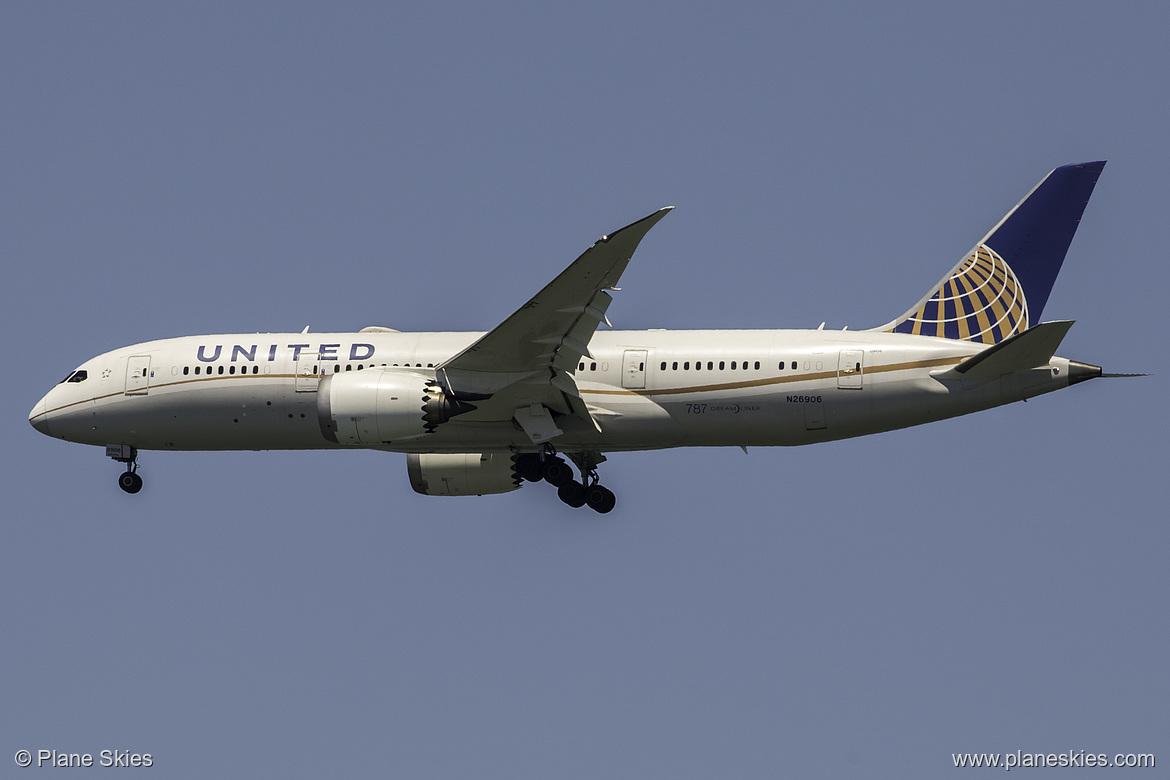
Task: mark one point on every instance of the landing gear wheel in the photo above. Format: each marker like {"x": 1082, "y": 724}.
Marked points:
{"x": 572, "y": 494}
{"x": 600, "y": 499}
{"x": 529, "y": 467}
{"x": 130, "y": 482}
{"x": 557, "y": 473}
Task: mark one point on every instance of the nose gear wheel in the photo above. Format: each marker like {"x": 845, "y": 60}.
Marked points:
{"x": 129, "y": 480}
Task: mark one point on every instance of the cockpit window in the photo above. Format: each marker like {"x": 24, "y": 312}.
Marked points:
{"x": 76, "y": 376}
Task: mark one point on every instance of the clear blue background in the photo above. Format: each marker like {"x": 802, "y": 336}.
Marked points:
{"x": 863, "y": 608}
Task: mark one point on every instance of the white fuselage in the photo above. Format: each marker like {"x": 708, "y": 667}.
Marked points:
{"x": 645, "y": 389}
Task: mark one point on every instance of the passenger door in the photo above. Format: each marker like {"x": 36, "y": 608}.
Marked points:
{"x": 307, "y": 374}
{"x": 138, "y": 375}
{"x": 850, "y": 369}
{"x": 634, "y": 369}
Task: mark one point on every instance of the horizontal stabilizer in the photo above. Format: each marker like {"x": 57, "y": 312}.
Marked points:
{"x": 1034, "y": 347}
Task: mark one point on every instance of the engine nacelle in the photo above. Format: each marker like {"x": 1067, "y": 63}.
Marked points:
{"x": 383, "y": 406}
{"x": 462, "y": 474}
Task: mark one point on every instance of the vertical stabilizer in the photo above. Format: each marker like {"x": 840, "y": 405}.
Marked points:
{"x": 1001, "y": 287}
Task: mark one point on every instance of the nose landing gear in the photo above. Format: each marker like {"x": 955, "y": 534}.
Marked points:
{"x": 124, "y": 453}
{"x": 130, "y": 481}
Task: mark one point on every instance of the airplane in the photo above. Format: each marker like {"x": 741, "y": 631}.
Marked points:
{"x": 483, "y": 413}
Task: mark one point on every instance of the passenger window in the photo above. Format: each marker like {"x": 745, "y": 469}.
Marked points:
{"x": 687, "y": 366}
{"x": 221, "y": 369}
{"x": 757, "y": 365}
{"x": 721, "y": 364}
{"x": 663, "y": 368}
{"x": 698, "y": 365}
{"x": 733, "y": 365}
{"x": 592, "y": 366}
{"x": 581, "y": 366}
{"x": 710, "y": 365}
{"x": 674, "y": 366}
{"x": 186, "y": 370}
{"x": 232, "y": 370}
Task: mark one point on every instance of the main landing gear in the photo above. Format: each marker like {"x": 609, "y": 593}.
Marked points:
{"x": 533, "y": 467}
{"x": 124, "y": 453}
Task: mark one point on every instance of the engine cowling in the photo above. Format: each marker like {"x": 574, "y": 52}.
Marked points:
{"x": 384, "y": 406}
{"x": 461, "y": 474}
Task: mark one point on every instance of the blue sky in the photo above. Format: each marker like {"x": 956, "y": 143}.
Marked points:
{"x": 989, "y": 584}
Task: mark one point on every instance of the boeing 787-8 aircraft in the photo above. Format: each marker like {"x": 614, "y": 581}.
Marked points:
{"x": 481, "y": 413}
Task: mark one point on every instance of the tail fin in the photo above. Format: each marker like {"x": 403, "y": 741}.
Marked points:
{"x": 999, "y": 289}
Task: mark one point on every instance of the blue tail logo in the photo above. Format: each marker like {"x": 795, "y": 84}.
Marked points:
{"x": 982, "y": 301}
{"x": 1001, "y": 287}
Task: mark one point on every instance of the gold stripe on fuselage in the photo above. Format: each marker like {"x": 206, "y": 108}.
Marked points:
{"x": 713, "y": 388}
{"x": 779, "y": 380}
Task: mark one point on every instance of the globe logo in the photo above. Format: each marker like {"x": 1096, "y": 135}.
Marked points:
{"x": 981, "y": 301}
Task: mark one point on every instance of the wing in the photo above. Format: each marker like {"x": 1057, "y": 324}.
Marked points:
{"x": 526, "y": 363}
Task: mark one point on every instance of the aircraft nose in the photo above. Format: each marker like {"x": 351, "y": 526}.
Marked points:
{"x": 39, "y": 418}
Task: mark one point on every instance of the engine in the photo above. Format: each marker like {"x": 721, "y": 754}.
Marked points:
{"x": 384, "y": 406}
{"x": 462, "y": 474}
